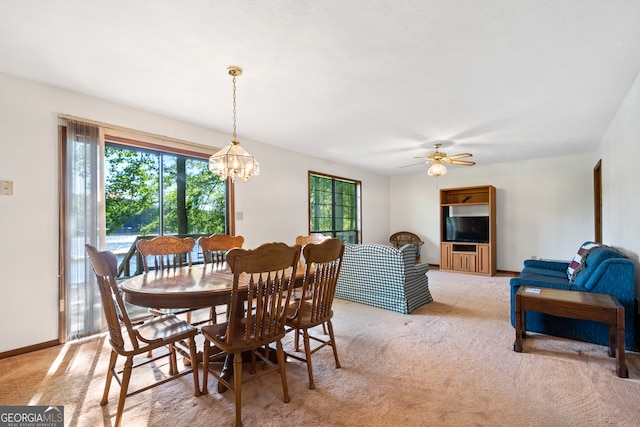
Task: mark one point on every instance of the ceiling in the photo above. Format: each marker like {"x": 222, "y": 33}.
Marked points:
{"x": 369, "y": 83}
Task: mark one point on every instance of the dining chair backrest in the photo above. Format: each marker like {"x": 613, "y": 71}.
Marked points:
{"x": 323, "y": 262}
{"x": 311, "y": 238}
{"x": 215, "y": 247}
{"x": 166, "y": 251}
{"x": 105, "y": 266}
{"x": 268, "y": 272}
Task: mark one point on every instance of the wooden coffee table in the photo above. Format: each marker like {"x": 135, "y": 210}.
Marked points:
{"x": 575, "y": 305}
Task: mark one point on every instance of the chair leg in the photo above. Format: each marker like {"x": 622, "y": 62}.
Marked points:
{"x": 283, "y": 374}
{"x": 237, "y": 384}
{"x": 307, "y": 355}
{"x": 110, "y": 374}
{"x": 252, "y": 369}
{"x": 333, "y": 343}
{"x": 173, "y": 362}
{"x": 297, "y": 340}
{"x": 205, "y": 366}
{"x": 126, "y": 376}
{"x": 194, "y": 364}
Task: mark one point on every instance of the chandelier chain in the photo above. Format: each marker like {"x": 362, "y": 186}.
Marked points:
{"x": 235, "y": 138}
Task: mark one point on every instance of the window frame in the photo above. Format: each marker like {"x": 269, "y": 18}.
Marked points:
{"x": 358, "y": 204}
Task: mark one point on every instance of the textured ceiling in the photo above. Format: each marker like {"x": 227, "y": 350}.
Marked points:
{"x": 365, "y": 82}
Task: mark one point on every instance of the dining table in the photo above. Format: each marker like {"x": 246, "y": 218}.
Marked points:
{"x": 198, "y": 286}
{"x": 194, "y": 287}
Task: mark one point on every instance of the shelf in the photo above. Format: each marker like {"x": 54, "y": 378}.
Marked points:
{"x": 464, "y": 204}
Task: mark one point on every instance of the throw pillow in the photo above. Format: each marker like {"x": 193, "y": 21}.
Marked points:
{"x": 578, "y": 262}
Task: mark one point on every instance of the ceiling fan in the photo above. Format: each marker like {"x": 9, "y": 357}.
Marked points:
{"x": 439, "y": 158}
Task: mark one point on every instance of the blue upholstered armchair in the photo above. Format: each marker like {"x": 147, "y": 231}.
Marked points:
{"x": 599, "y": 269}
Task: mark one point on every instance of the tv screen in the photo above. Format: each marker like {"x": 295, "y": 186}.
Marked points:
{"x": 467, "y": 229}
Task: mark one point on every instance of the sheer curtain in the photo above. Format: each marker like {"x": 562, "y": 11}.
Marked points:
{"x": 80, "y": 224}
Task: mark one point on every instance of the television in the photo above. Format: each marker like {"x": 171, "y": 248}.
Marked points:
{"x": 473, "y": 229}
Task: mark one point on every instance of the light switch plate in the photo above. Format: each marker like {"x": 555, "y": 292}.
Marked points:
{"x": 6, "y": 188}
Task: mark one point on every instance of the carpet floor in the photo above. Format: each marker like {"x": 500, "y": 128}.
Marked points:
{"x": 450, "y": 363}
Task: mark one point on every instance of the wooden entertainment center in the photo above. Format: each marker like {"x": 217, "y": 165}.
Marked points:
{"x": 468, "y": 230}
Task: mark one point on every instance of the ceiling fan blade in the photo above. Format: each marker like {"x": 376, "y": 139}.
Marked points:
{"x": 460, "y": 162}
{"x": 413, "y": 164}
{"x": 460, "y": 156}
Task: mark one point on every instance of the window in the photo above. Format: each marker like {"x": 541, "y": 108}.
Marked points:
{"x": 334, "y": 207}
{"x": 152, "y": 193}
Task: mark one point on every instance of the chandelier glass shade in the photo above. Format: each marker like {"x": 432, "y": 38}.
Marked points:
{"x": 233, "y": 161}
{"x": 437, "y": 169}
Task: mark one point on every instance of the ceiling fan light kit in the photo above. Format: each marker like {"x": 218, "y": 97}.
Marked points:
{"x": 437, "y": 169}
{"x": 437, "y": 159}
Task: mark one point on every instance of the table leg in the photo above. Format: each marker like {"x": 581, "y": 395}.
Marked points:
{"x": 621, "y": 366}
{"x": 613, "y": 339}
{"x": 517, "y": 345}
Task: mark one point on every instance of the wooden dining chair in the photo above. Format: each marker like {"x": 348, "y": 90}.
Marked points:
{"x": 214, "y": 252}
{"x": 215, "y": 247}
{"x": 263, "y": 277}
{"x": 311, "y": 238}
{"x": 323, "y": 263}
{"x": 131, "y": 341}
{"x": 166, "y": 253}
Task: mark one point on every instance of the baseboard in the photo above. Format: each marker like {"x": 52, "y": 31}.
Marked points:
{"x": 499, "y": 273}
{"x": 29, "y": 349}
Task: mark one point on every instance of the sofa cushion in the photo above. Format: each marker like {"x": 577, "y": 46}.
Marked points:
{"x": 532, "y": 279}
{"x": 594, "y": 258}
{"x": 539, "y": 271}
{"x": 579, "y": 260}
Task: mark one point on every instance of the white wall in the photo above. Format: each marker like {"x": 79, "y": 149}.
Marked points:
{"x": 544, "y": 206}
{"x": 620, "y": 151}
{"x": 274, "y": 205}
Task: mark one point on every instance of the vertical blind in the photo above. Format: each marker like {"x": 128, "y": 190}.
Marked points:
{"x": 82, "y": 196}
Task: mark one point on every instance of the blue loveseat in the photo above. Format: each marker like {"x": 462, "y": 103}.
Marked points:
{"x": 384, "y": 277}
{"x": 602, "y": 270}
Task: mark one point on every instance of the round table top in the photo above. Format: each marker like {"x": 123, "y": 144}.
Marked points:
{"x": 198, "y": 286}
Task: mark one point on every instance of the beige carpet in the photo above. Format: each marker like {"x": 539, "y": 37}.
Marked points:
{"x": 450, "y": 363}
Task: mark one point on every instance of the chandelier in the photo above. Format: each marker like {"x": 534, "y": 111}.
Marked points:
{"x": 233, "y": 161}
{"x": 437, "y": 169}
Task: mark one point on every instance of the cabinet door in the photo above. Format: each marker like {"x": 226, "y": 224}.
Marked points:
{"x": 464, "y": 262}
{"x": 445, "y": 256}
{"x": 484, "y": 259}
{"x": 470, "y": 263}
{"x": 458, "y": 262}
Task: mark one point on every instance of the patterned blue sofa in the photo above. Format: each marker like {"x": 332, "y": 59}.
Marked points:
{"x": 595, "y": 268}
{"x": 384, "y": 277}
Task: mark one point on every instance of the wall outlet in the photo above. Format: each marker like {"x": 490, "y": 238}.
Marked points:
{"x": 534, "y": 257}
{"x": 6, "y": 188}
